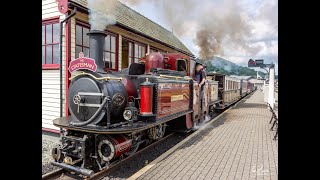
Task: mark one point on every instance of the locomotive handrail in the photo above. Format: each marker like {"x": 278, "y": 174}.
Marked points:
{"x": 105, "y": 100}
{"x": 174, "y": 77}
{"x": 96, "y": 78}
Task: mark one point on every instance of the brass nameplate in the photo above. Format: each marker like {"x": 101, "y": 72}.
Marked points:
{"x": 177, "y": 97}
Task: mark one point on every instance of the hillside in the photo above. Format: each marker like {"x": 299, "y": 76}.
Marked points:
{"x": 224, "y": 66}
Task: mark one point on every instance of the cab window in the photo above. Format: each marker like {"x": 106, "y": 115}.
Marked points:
{"x": 182, "y": 65}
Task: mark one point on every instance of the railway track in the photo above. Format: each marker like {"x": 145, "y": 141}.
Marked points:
{"x": 63, "y": 174}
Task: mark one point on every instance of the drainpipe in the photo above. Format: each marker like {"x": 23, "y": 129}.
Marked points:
{"x": 61, "y": 27}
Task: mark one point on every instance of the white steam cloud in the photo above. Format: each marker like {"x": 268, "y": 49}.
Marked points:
{"x": 98, "y": 19}
{"x": 226, "y": 28}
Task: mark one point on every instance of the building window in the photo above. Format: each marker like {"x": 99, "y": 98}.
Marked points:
{"x": 139, "y": 51}
{"x": 82, "y": 40}
{"x": 50, "y": 43}
{"x": 131, "y": 52}
{"x": 110, "y": 52}
{"x": 110, "y": 47}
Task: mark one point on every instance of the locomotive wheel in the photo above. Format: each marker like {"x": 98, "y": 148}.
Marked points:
{"x": 106, "y": 150}
{"x": 157, "y": 132}
{"x": 133, "y": 149}
{"x": 56, "y": 154}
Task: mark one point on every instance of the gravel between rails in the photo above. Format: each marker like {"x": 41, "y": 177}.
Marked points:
{"x": 47, "y": 146}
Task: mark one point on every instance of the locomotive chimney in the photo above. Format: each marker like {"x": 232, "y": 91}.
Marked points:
{"x": 96, "y": 39}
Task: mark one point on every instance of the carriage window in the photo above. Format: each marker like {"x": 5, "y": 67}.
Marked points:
{"x": 227, "y": 85}
{"x": 181, "y": 65}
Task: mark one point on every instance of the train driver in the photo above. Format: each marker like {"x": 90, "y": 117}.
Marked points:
{"x": 200, "y": 77}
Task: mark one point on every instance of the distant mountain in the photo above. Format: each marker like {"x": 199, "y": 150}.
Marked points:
{"x": 224, "y": 66}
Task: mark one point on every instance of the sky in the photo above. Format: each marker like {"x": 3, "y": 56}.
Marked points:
{"x": 258, "y": 28}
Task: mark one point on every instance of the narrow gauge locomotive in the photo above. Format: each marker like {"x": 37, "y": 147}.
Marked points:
{"x": 112, "y": 114}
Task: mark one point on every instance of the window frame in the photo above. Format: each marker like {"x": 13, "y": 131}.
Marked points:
{"x": 132, "y": 57}
{"x": 110, "y": 52}
{"x": 186, "y": 63}
{"x": 87, "y": 25}
{"x": 82, "y": 25}
{"x": 45, "y": 22}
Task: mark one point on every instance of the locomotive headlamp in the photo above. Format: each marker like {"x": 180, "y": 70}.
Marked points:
{"x": 127, "y": 114}
{"x": 130, "y": 112}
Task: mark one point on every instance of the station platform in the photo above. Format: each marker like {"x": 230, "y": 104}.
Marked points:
{"x": 238, "y": 144}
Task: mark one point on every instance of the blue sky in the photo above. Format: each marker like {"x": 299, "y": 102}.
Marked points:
{"x": 261, "y": 15}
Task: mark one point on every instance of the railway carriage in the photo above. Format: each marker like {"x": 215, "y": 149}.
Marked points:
{"x": 251, "y": 87}
{"x": 228, "y": 89}
{"x": 244, "y": 87}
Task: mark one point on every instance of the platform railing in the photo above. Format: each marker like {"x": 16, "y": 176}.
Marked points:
{"x": 275, "y": 122}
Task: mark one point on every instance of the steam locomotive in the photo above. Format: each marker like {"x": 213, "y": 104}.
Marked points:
{"x": 113, "y": 114}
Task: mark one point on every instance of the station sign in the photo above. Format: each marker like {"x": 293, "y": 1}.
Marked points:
{"x": 259, "y": 62}
{"x": 256, "y": 63}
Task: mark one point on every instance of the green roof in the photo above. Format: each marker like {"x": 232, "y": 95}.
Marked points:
{"x": 132, "y": 19}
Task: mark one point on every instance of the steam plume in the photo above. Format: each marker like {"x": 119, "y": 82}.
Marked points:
{"x": 220, "y": 28}
{"x": 97, "y": 18}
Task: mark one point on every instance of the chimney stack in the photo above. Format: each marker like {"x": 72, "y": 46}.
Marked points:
{"x": 96, "y": 40}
